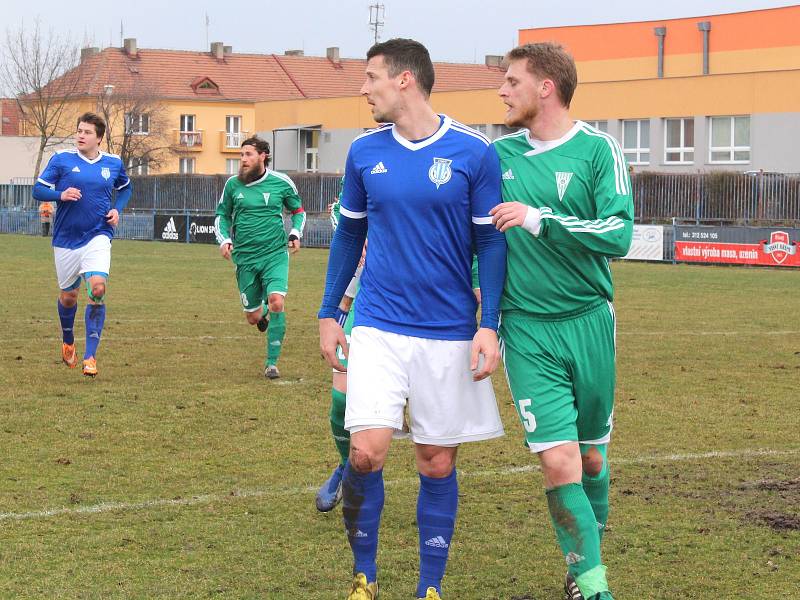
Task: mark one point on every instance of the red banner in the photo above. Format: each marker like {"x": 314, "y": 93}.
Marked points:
{"x": 778, "y": 251}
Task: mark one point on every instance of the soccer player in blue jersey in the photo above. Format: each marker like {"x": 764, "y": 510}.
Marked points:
{"x": 425, "y": 184}
{"x": 82, "y": 181}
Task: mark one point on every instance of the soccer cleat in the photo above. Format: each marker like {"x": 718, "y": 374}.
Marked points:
{"x": 571, "y": 590}
{"x": 69, "y": 356}
{"x": 90, "y": 367}
{"x": 330, "y": 494}
{"x": 262, "y": 324}
{"x": 361, "y": 590}
{"x": 271, "y": 372}
{"x": 431, "y": 594}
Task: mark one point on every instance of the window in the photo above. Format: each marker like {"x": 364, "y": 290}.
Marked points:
{"x": 138, "y": 166}
{"x": 233, "y": 131}
{"x": 679, "y": 141}
{"x": 601, "y": 125}
{"x": 232, "y": 166}
{"x": 187, "y": 166}
{"x": 730, "y": 140}
{"x": 187, "y": 123}
{"x": 137, "y": 124}
{"x": 311, "y": 145}
{"x": 636, "y": 141}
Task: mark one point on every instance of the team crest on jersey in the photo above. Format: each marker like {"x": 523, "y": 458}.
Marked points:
{"x": 266, "y": 197}
{"x": 105, "y": 172}
{"x": 440, "y": 171}
{"x": 562, "y": 181}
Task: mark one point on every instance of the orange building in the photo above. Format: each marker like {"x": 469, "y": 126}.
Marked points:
{"x": 699, "y": 93}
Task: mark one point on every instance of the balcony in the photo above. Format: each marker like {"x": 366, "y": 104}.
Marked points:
{"x": 189, "y": 141}
{"x": 232, "y": 142}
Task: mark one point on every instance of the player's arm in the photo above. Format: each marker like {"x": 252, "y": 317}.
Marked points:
{"x": 124, "y": 189}
{"x": 609, "y": 234}
{"x": 44, "y": 190}
{"x": 490, "y": 248}
{"x": 294, "y": 205}
{"x": 223, "y": 222}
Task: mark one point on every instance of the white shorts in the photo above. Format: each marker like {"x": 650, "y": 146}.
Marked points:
{"x": 445, "y": 407}
{"x": 94, "y": 257}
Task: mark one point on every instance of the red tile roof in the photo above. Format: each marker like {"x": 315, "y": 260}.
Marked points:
{"x": 9, "y": 117}
{"x": 253, "y": 77}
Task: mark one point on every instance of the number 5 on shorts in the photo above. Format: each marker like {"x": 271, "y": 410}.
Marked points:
{"x": 528, "y": 418}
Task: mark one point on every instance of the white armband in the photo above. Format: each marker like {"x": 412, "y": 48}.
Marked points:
{"x": 533, "y": 221}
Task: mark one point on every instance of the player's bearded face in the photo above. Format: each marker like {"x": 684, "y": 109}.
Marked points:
{"x": 252, "y": 166}
{"x": 520, "y": 93}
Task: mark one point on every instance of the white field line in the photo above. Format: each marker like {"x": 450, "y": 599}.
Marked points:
{"x": 107, "y": 507}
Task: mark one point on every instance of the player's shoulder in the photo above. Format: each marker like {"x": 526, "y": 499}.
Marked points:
{"x": 469, "y": 135}
{"x": 284, "y": 179}
{"x": 512, "y": 144}
{"x": 108, "y": 156}
{"x": 64, "y": 155}
{"x": 599, "y": 141}
{"x": 375, "y": 134}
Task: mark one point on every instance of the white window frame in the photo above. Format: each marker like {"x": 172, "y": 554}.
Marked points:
{"x": 187, "y": 165}
{"x": 229, "y": 162}
{"x": 138, "y": 124}
{"x": 143, "y": 168}
{"x": 185, "y": 121}
{"x": 683, "y": 148}
{"x": 233, "y": 131}
{"x": 732, "y": 149}
{"x": 597, "y": 125}
{"x": 639, "y": 149}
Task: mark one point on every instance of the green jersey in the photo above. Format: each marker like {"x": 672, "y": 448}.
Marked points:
{"x": 580, "y": 185}
{"x": 250, "y": 216}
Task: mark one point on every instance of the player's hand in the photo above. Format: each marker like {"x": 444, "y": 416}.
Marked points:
{"x": 331, "y": 336}
{"x": 294, "y": 245}
{"x": 226, "y": 249}
{"x": 71, "y": 194}
{"x": 509, "y": 214}
{"x": 112, "y": 217}
{"x": 484, "y": 343}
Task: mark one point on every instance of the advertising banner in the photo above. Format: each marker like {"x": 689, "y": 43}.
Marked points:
{"x": 169, "y": 228}
{"x": 202, "y": 230}
{"x": 647, "y": 244}
{"x": 765, "y": 246}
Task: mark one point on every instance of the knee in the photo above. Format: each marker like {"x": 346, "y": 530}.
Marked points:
{"x": 362, "y": 460}
{"x": 276, "y": 303}
{"x": 68, "y": 299}
{"x": 436, "y": 464}
{"x": 253, "y": 317}
{"x": 97, "y": 292}
{"x": 592, "y": 462}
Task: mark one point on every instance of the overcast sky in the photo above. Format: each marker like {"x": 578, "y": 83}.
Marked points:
{"x": 453, "y": 30}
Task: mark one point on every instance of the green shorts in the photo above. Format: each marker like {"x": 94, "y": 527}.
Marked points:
{"x": 348, "y": 328}
{"x": 257, "y": 281}
{"x": 562, "y": 375}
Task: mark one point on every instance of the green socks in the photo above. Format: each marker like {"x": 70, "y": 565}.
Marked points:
{"x": 596, "y": 488}
{"x": 341, "y": 437}
{"x": 275, "y": 333}
{"x": 576, "y": 530}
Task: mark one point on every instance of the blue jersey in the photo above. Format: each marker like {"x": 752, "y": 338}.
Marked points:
{"x": 77, "y": 222}
{"x": 421, "y": 200}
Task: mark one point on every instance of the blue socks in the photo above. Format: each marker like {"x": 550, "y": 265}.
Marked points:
{"x": 362, "y": 504}
{"x": 95, "y": 317}
{"x": 437, "y": 506}
{"x": 67, "y": 318}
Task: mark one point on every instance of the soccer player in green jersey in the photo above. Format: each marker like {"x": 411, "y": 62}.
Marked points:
{"x": 249, "y": 229}
{"x": 567, "y": 209}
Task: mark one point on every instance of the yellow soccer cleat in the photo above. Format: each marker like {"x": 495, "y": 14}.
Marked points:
{"x": 361, "y": 590}
{"x": 431, "y": 594}
{"x": 69, "y": 356}
{"x": 90, "y": 367}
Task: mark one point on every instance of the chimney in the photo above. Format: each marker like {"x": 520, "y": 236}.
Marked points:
{"x": 227, "y": 50}
{"x": 217, "y": 50}
{"x": 294, "y": 53}
{"x": 494, "y": 60}
{"x": 130, "y": 47}
{"x": 333, "y": 55}
{"x": 89, "y": 51}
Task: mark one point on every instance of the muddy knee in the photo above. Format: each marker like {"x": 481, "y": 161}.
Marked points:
{"x": 592, "y": 462}
{"x": 361, "y": 460}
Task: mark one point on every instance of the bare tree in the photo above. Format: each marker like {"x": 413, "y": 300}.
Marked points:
{"x": 137, "y": 124}
{"x": 41, "y": 70}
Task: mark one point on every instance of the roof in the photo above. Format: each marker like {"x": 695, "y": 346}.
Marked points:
{"x": 181, "y": 75}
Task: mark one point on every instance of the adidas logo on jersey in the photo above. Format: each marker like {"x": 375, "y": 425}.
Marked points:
{"x": 437, "y": 542}
{"x": 562, "y": 181}
{"x": 76, "y": 170}
{"x": 379, "y": 168}
{"x": 508, "y": 175}
{"x": 170, "y": 231}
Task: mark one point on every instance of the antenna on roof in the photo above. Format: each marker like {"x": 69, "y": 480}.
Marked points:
{"x": 377, "y": 13}
{"x": 208, "y": 22}
{"x": 121, "y": 33}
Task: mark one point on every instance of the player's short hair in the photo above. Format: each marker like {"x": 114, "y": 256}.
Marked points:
{"x": 402, "y": 54}
{"x": 549, "y": 60}
{"x": 93, "y": 119}
{"x": 261, "y": 146}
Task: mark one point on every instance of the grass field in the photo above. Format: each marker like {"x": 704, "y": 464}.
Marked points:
{"x": 180, "y": 472}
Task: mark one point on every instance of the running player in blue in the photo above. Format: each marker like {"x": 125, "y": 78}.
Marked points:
{"x": 425, "y": 184}
{"x": 82, "y": 181}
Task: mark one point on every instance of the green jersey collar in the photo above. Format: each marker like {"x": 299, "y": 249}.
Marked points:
{"x": 540, "y": 146}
